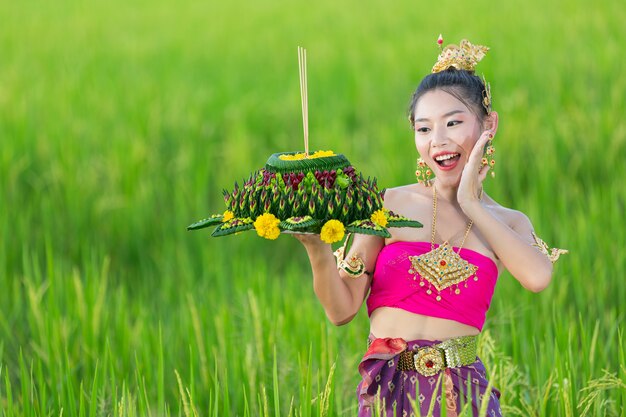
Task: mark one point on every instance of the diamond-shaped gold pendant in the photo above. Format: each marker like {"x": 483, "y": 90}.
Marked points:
{"x": 442, "y": 267}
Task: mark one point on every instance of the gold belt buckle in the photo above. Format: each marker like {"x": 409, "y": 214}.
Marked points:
{"x": 428, "y": 360}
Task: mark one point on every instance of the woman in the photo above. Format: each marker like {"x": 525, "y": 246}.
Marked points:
{"x": 430, "y": 288}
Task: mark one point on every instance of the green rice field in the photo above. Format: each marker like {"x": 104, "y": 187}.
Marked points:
{"x": 121, "y": 123}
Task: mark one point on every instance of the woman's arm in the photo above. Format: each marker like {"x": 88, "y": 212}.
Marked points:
{"x": 340, "y": 294}
{"x": 513, "y": 245}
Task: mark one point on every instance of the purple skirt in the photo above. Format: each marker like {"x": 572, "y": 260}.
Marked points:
{"x": 408, "y": 393}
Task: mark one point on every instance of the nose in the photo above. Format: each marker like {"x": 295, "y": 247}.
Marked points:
{"x": 439, "y": 137}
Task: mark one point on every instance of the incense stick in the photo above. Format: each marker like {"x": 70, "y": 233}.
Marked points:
{"x": 304, "y": 98}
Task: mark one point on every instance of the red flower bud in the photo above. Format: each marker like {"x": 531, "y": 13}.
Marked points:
{"x": 345, "y": 210}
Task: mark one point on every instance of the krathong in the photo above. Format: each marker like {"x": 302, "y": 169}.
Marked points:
{"x": 302, "y": 192}
{"x": 305, "y": 196}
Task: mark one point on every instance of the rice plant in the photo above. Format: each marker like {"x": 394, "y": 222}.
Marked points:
{"x": 121, "y": 122}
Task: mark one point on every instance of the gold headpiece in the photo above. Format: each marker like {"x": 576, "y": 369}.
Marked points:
{"x": 464, "y": 56}
{"x": 487, "y": 96}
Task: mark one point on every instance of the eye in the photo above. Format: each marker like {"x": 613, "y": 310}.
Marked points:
{"x": 454, "y": 123}
{"x": 422, "y": 129}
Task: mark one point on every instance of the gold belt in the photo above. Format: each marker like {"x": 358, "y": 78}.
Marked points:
{"x": 430, "y": 360}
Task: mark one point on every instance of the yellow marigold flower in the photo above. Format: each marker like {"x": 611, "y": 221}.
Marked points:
{"x": 378, "y": 217}
{"x": 322, "y": 154}
{"x": 332, "y": 231}
{"x": 301, "y": 155}
{"x": 228, "y": 215}
{"x": 266, "y": 226}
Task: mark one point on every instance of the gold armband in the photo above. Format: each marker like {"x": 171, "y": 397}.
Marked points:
{"x": 552, "y": 253}
{"x": 353, "y": 266}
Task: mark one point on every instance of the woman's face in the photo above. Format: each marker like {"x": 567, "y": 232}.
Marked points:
{"x": 445, "y": 133}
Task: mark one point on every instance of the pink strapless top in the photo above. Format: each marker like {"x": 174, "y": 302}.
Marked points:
{"x": 395, "y": 284}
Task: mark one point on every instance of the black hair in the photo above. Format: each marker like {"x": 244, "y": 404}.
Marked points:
{"x": 464, "y": 85}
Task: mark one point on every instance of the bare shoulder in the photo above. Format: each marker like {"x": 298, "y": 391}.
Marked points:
{"x": 401, "y": 190}
{"x": 515, "y": 219}
{"x": 397, "y": 197}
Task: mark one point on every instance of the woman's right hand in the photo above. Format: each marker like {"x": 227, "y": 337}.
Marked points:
{"x": 340, "y": 295}
{"x": 308, "y": 238}
{"x": 311, "y": 242}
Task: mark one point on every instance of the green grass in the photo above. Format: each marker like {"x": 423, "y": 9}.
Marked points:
{"x": 121, "y": 122}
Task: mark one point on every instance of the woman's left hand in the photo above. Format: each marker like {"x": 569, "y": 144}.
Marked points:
{"x": 474, "y": 173}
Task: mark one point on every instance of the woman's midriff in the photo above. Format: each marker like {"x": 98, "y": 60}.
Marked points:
{"x": 395, "y": 322}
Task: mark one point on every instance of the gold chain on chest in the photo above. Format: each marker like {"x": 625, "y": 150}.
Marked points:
{"x": 442, "y": 267}
{"x": 433, "y": 227}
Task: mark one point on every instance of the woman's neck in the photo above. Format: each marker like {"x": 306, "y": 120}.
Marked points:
{"x": 446, "y": 192}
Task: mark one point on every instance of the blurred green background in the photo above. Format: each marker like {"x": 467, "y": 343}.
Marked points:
{"x": 121, "y": 122}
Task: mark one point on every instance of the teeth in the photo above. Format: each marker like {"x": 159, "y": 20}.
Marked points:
{"x": 446, "y": 157}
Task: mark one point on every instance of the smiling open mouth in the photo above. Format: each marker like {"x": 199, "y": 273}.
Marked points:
{"x": 448, "y": 159}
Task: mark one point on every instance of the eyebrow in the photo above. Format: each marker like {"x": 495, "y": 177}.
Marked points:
{"x": 450, "y": 113}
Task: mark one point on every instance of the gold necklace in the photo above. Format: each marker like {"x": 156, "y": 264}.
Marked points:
{"x": 442, "y": 267}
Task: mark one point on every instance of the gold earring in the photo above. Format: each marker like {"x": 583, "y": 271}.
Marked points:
{"x": 488, "y": 158}
{"x": 423, "y": 173}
